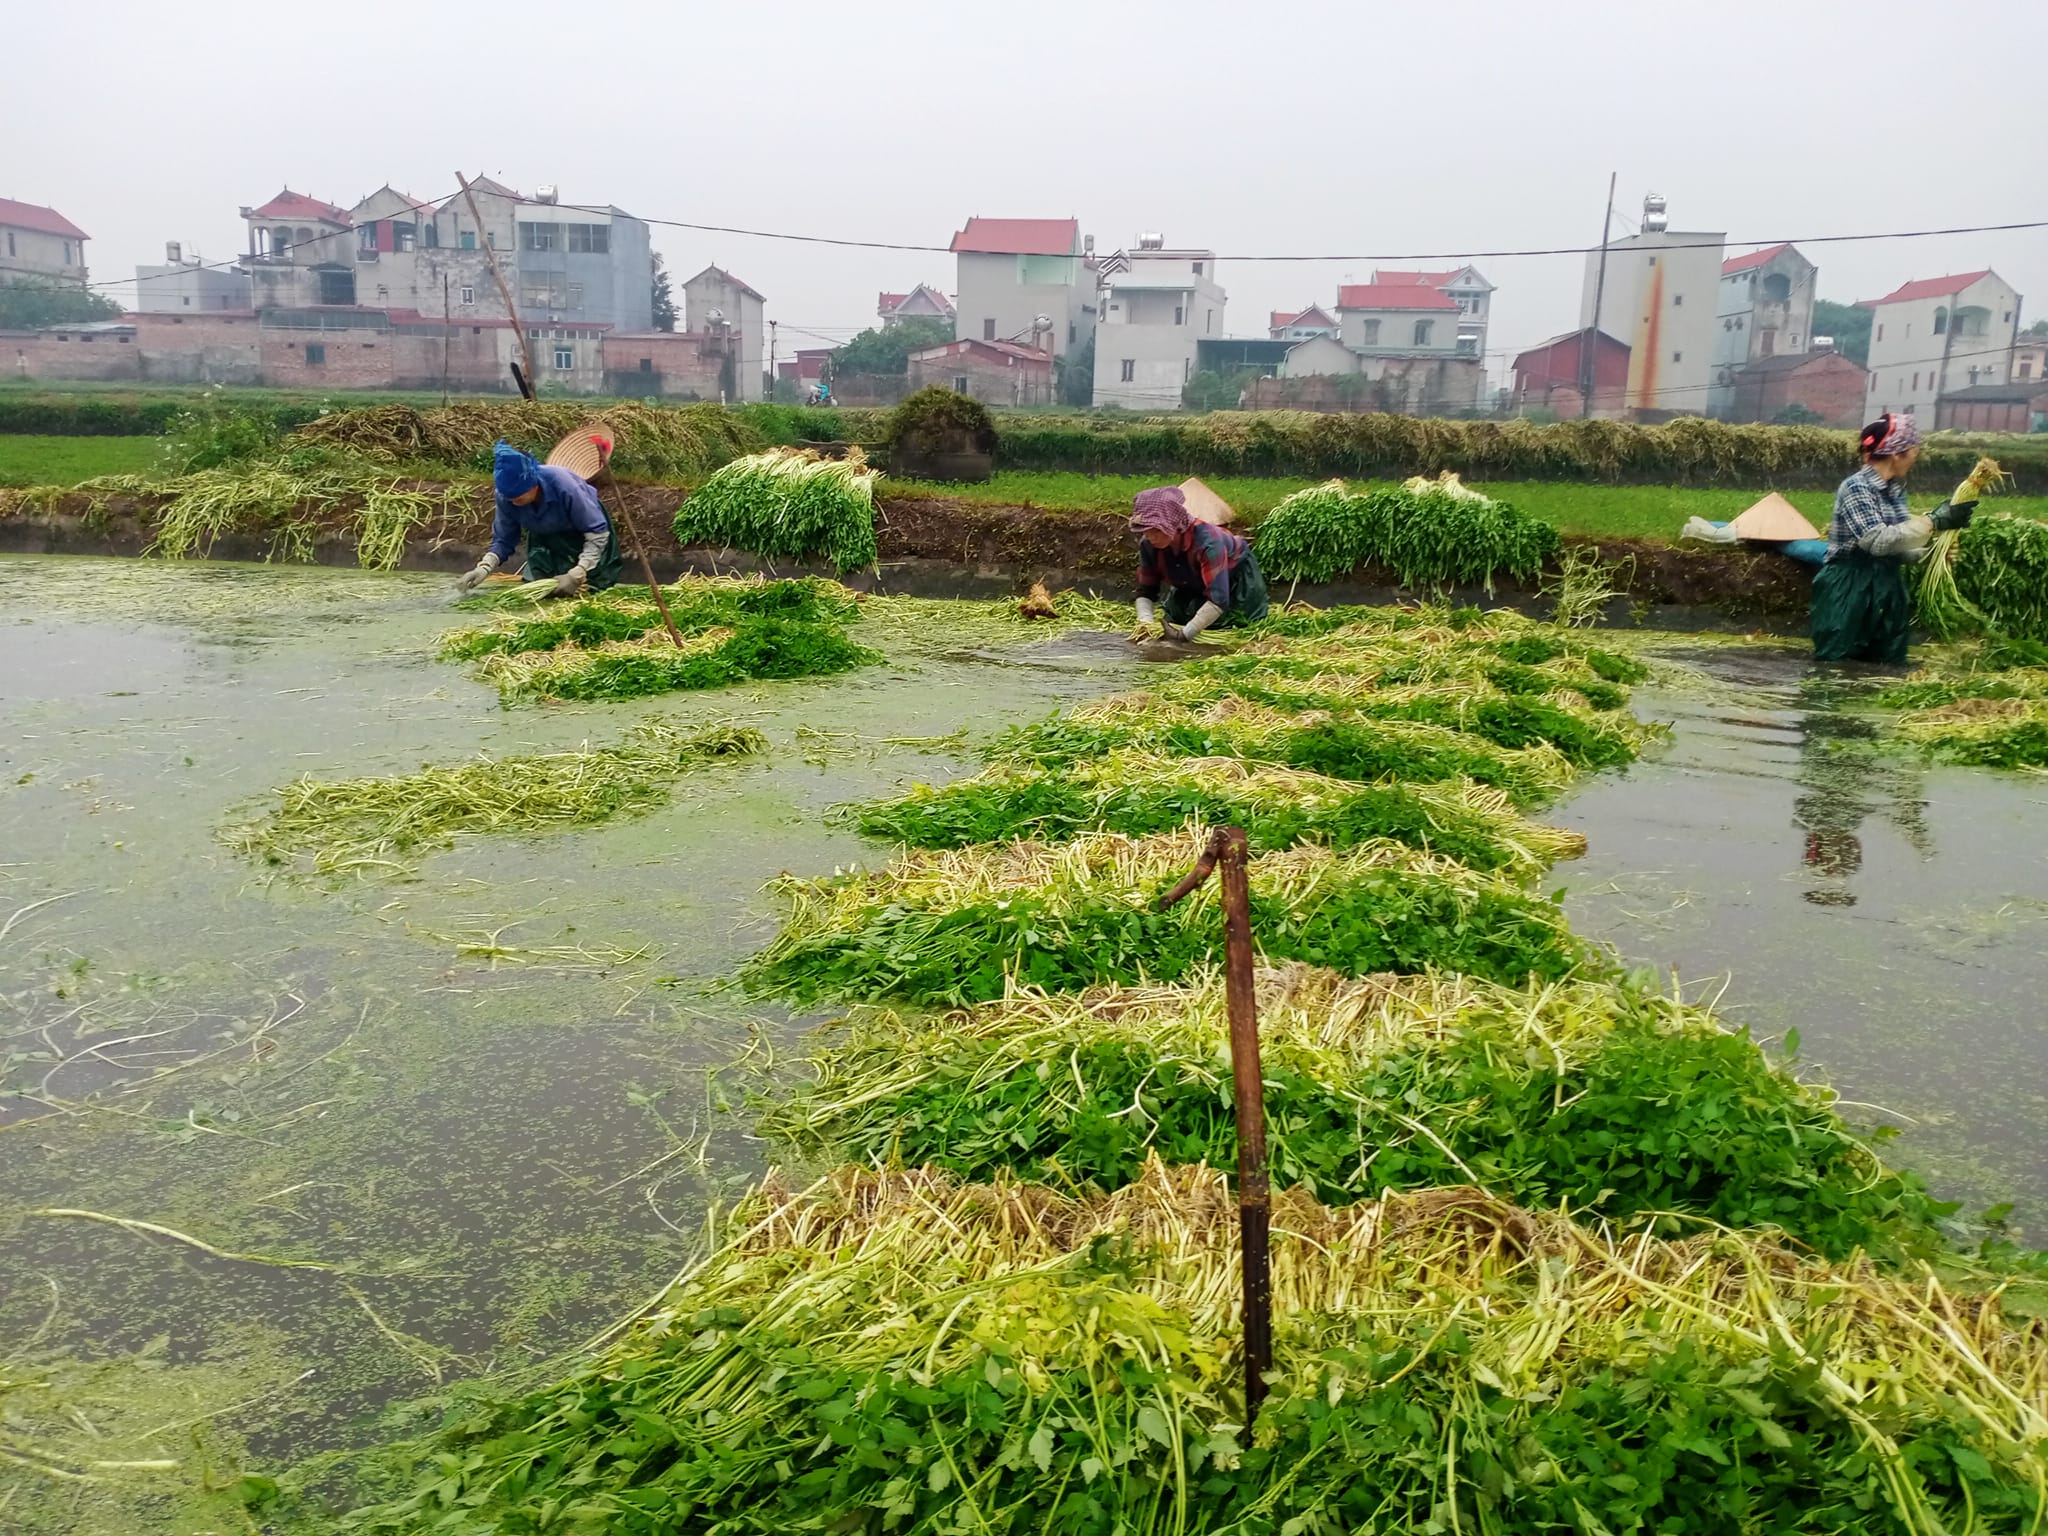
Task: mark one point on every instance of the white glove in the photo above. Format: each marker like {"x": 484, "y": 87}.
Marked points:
{"x": 570, "y": 582}
{"x": 478, "y": 574}
{"x": 1206, "y": 615}
{"x": 1146, "y": 611}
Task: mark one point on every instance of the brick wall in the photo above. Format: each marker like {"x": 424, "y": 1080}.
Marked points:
{"x": 680, "y": 365}
{"x": 990, "y": 380}
{"x": 65, "y": 355}
{"x": 1829, "y": 385}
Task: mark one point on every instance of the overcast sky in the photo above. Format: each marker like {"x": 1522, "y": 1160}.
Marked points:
{"x": 1361, "y": 129}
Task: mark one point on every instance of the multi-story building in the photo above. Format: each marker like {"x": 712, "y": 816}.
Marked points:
{"x": 39, "y": 244}
{"x": 2030, "y": 358}
{"x": 1464, "y": 287}
{"x": 1658, "y": 297}
{"x": 1763, "y": 308}
{"x": 1300, "y": 325}
{"x": 1937, "y": 335}
{"x": 185, "y": 285}
{"x": 1155, "y": 305}
{"x": 924, "y": 302}
{"x": 1397, "y": 320}
{"x": 1015, "y": 277}
{"x": 730, "y": 315}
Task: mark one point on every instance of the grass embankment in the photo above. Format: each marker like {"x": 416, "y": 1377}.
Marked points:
{"x": 67, "y": 460}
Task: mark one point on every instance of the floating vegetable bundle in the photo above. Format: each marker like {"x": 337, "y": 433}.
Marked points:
{"x": 368, "y": 826}
{"x": 952, "y": 928}
{"x": 787, "y": 505}
{"x": 1546, "y": 1095}
{"x": 895, "y": 1351}
{"x": 1428, "y": 539}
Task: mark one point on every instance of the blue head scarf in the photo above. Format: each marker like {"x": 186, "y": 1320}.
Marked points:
{"x": 514, "y": 473}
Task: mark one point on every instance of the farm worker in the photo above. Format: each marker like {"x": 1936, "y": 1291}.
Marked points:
{"x": 570, "y": 543}
{"x": 1860, "y": 608}
{"x": 1212, "y": 574}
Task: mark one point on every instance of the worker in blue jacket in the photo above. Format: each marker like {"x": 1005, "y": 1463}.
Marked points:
{"x": 570, "y": 543}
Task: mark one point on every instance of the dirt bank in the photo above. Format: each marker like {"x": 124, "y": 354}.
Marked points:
{"x": 928, "y": 544}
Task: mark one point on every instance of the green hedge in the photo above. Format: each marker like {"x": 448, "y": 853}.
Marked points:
{"x": 85, "y": 416}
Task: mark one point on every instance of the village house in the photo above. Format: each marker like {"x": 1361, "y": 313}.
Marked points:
{"x": 923, "y": 302}
{"x": 1013, "y": 274}
{"x": 1825, "y": 383}
{"x": 39, "y": 244}
{"x": 2015, "y": 407}
{"x": 2030, "y": 357}
{"x": 1763, "y": 308}
{"x": 1552, "y": 378}
{"x": 1936, "y": 335}
{"x": 730, "y": 313}
{"x": 1656, "y": 293}
{"x": 1300, "y": 325}
{"x": 1464, "y": 287}
{"x": 1157, "y": 305}
{"x": 993, "y": 372}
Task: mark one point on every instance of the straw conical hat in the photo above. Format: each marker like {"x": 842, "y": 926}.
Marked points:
{"x": 583, "y": 451}
{"x": 1204, "y": 505}
{"x": 1775, "y": 520}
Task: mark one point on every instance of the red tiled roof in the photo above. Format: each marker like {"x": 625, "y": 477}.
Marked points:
{"x": 296, "y": 205}
{"x": 1928, "y": 288}
{"x": 1029, "y": 356}
{"x": 47, "y": 221}
{"x": 1385, "y": 279}
{"x": 1735, "y": 264}
{"x": 1393, "y": 296}
{"x": 888, "y": 301}
{"x": 1019, "y": 237}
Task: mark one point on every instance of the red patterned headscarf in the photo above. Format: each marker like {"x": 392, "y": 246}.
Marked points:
{"x": 1900, "y": 433}
{"x": 1163, "y": 510}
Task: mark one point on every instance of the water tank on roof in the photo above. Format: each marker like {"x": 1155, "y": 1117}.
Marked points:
{"x": 1655, "y": 221}
{"x": 1152, "y": 242}
{"x": 546, "y": 195}
{"x": 174, "y": 253}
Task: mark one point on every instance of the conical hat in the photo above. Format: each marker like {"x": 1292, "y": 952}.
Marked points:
{"x": 1775, "y": 520}
{"x": 1204, "y": 505}
{"x": 583, "y": 451}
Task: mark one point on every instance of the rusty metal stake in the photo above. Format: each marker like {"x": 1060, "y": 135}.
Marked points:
{"x": 1254, "y": 1207}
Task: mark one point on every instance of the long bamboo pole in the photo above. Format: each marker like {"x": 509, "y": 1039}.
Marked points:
{"x": 602, "y": 483}
{"x": 1228, "y": 847}
{"x": 504, "y": 292}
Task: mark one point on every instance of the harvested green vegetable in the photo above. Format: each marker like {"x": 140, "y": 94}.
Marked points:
{"x": 368, "y": 826}
{"x": 965, "y": 927}
{"x": 1547, "y": 1096}
{"x": 786, "y": 505}
{"x": 893, "y": 1351}
{"x": 1428, "y": 539}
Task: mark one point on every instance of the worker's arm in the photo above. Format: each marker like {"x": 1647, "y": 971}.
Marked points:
{"x": 1205, "y": 615}
{"x": 504, "y": 540}
{"x": 1214, "y": 564}
{"x": 1150, "y": 576}
{"x": 1905, "y": 540}
{"x": 586, "y": 515}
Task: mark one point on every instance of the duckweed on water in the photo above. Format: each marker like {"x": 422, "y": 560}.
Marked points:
{"x": 892, "y": 1350}
{"x": 1592, "y": 1095}
{"x": 954, "y": 928}
{"x": 370, "y": 826}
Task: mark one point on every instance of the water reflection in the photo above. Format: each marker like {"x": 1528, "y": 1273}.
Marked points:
{"x": 1844, "y": 779}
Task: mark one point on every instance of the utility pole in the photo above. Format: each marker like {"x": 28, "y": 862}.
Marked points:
{"x": 1589, "y": 342}
{"x": 444, "y": 338}
{"x": 526, "y": 379}
{"x": 772, "y": 379}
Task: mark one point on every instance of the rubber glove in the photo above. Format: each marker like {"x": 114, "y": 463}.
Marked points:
{"x": 1205, "y": 615}
{"x": 1950, "y": 515}
{"x": 570, "y": 583}
{"x": 477, "y": 575}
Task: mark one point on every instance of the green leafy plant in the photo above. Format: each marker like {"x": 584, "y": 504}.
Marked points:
{"x": 1428, "y": 539}
{"x": 786, "y": 505}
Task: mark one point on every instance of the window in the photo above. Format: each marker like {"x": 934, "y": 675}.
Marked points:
{"x": 959, "y": 383}
{"x": 1423, "y": 331}
{"x": 1180, "y": 314}
{"x": 1369, "y": 332}
{"x": 988, "y": 330}
{"x": 1678, "y": 301}
{"x": 402, "y": 236}
{"x": 366, "y": 238}
{"x": 186, "y": 302}
{"x": 1198, "y": 269}
{"x": 2026, "y": 367}
{"x": 468, "y": 241}
{"x": 533, "y": 333}
{"x": 468, "y": 294}
{"x": 647, "y": 365}
{"x": 1209, "y": 321}
{"x": 1187, "y": 369}
{"x": 433, "y": 237}
{"x": 10, "y": 242}
{"x": 1880, "y": 333}
{"x": 538, "y": 237}
{"x": 595, "y": 239}
{"x": 316, "y": 354}
{"x": 1941, "y": 322}
{"x": 1916, "y": 378}
{"x": 1653, "y": 261}
{"x": 383, "y": 294}
{"x": 1130, "y": 370}
{"x": 575, "y": 296}
{"x": 67, "y": 253}
{"x": 1766, "y": 342}
{"x": 1678, "y": 357}
{"x": 564, "y": 358}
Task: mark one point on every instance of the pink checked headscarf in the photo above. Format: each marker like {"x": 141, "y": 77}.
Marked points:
{"x": 1901, "y": 433}
{"x": 1163, "y": 509}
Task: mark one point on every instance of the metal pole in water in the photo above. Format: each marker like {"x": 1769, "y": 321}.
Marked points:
{"x": 1228, "y": 847}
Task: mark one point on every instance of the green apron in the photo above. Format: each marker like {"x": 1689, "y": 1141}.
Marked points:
{"x": 550, "y": 554}
{"x": 1861, "y": 611}
{"x": 1247, "y": 597}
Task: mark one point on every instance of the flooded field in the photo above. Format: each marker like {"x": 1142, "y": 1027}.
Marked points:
{"x": 278, "y": 1159}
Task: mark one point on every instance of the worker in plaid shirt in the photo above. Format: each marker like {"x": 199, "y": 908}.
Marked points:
{"x": 1860, "y": 608}
{"x": 1209, "y": 574}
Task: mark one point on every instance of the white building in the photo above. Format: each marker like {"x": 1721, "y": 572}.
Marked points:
{"x": 188, "y": 286}
{"x": 719, "y": 305}
{"x": 1937, "y": 335}
{"x": 1397, "y": 320}
{"x": 924, "y": 302}
{"x": 1300, "y": 325}
{"x": 1012, "y": 272}
{"x": 1659, "y": 297}
{"x": 1762, "y": 308}
{"x": 1464, "y": 287}
{"x": 39, "y": 244}
{"x": 1155, "y": 305}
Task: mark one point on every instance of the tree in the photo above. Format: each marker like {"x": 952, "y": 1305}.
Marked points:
{"x": 1849, "y": 324}
{"x": 876, "y": 351}
{"x": 1074, "y": 383}
{"x": 664, "y": 299}
{"x": 1217, "y": 389}
{"x": 26, "y": 305}
{"x": 2038, "y": 328}
{"x": 1798, "y": 415}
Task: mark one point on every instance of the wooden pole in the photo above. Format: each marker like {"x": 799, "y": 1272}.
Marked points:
{"x": 1227, "y": 846}
{"x": 602, "y": 483}
{"x": 1589, "y": 368}
{"x": 504, "y": 292}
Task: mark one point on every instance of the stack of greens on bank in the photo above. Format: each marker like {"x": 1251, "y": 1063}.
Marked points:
{"x": 1558, "y": 1251}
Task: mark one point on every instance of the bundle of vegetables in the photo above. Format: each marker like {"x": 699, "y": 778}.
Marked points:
{"x": 1545, "y": 1095}
{"x": 1342, "y": 744}
{"x": 788, "y": 504}
{"x": 1428, "y": 539}
{"x": 369, "y": 826}
{"x": 615, "y": 646}
{"x": 1138, "y": 793}
{"x": 653, "y": 441}
{"x": 1983, "y": 732}
{"x": 895, "y": 1351}
{"x": 1998, "y": 563}
{"x": 967, "y": 927}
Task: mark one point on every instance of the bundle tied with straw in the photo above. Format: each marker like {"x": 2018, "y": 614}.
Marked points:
{"x": 788, "y": 504}
{"x": 895, "y": 1350}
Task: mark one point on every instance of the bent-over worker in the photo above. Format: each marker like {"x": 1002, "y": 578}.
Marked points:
{"x": 1861, "y": 611}
{"x": 1211, "y": 575}
{"x": 570, "y": 543}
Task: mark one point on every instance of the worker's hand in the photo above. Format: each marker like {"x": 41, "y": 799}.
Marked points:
{"x": 1179, "y": 635}
{"x": 1954, "y": 516}
{"x": 1144, "y": 634}
{"x": 473, "y": 578}
{"x": 571, "y": 582}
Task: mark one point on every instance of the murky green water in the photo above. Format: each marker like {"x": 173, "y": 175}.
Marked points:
{"x": 494, "y": 1158}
